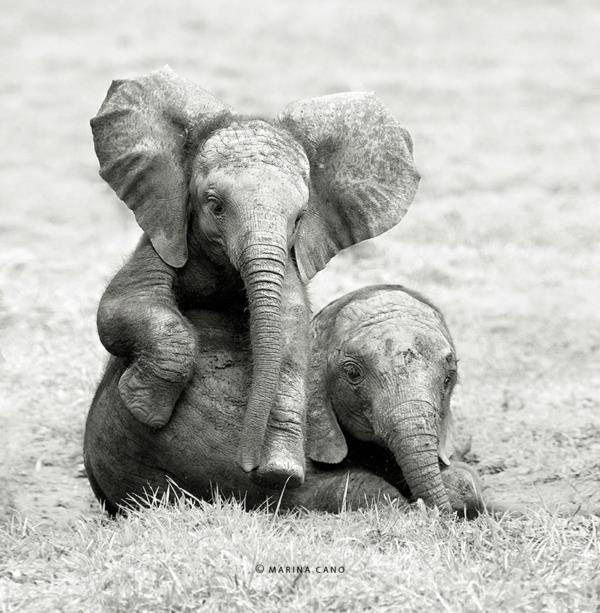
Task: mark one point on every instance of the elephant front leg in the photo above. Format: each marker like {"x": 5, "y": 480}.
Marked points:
{"x": 138, "y": 319}
{"x": 357, "y": 488}
{"x": 464, "y": 489}
{"x": 465, "y": 492}
{"x": 282, "y": 460}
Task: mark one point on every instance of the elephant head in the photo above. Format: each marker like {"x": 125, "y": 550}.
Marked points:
{"x": 210, "y": 187}
{"x": 383, "y": 371}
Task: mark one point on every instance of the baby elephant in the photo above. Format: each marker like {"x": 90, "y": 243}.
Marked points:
{"x": 238, "y": 212}
{"x": 382, "y": 373}
{"x": 384, "y": 368}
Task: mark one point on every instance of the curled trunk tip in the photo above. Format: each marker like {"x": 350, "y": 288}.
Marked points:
{"x": 415, "y": 447}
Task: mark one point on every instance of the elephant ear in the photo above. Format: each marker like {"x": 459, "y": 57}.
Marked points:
{"x": 446, "y": 444}
{"x": 362, "y": 174}
{"x": 140, "y": 136}
{"x": 325, "y": 440}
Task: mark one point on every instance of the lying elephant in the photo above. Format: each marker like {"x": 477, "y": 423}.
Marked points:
{"x": 383, "y": 370}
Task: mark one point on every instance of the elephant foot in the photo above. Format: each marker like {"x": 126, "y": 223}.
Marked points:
{"x": 464, "y": 489}
{"x": 282, "y": 469}
{"x": 150, "y": 400}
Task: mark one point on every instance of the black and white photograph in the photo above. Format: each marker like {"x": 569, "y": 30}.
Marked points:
{"x": 299, "y": 306}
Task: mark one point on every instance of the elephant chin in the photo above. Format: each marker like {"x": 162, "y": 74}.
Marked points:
{"x": 414, "y": 442}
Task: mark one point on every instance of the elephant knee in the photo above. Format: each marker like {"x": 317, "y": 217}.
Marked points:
{"x": 174, "y": 345}
{"x": 111, "y": 321}
{"x": 157, "y": 334}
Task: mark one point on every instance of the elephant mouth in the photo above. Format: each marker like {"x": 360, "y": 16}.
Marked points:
{"x": 379, "y": 460}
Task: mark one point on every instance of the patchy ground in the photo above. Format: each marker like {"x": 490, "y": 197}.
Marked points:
{"x": 502, "y": 103}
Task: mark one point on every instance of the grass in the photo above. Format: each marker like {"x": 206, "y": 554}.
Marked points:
{"x": 218, "y": 556}
{"x": 504, "y": 235}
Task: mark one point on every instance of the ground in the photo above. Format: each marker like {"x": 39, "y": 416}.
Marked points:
{"x": 504, "y": 235}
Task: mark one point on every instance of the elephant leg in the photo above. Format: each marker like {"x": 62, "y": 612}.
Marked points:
{"x": 282, "y": 460}
{"x": 351, "y": 489}
{"x": 358, "y": 488}
{"x": 465, "y": 492}
{"x": 138, "y": 319}
{"x": 153, "y": 382}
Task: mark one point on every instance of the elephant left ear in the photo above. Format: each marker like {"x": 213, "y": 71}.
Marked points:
{"x": 446, "y": 445}
{"x": 362, "y": 175}
{"x": 325, "y": 441}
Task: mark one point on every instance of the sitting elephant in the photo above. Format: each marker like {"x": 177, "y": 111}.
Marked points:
{"x": 238, "y": 210}
{"x": 383, "y": 369}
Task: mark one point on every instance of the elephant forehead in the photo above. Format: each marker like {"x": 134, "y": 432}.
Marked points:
{"x": 392, "y": 323}
{"x": 398, "y": 338}
{"x": 246, "y": 144}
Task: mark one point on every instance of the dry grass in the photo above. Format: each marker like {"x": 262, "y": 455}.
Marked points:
{"x": 501, "y": 100}
{"x": 218, "y": 556}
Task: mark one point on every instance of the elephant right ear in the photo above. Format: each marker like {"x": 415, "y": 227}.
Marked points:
{"x": 140, "y": 136}
{"x": 362, "y": 174}
{"x": 325, "y": 440}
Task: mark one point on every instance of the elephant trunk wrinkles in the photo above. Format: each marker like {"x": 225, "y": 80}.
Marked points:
{"x": 262, "y": 266}
{"x": 414, "y": 442}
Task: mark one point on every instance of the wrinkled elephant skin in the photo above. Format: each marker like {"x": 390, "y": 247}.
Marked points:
{"x": 126, "y": 461}
{"x": 237, "y": 212}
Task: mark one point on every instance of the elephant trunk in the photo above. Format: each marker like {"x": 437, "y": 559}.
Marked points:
{"x": 262, "y": 266}
{"x": 414, "y": 442}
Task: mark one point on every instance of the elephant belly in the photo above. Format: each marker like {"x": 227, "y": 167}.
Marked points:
{"x": 197, "y": 449}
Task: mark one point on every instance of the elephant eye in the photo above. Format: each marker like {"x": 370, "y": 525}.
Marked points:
{"x": 353, "y": 372}
{"x": 216, "y": 205}
{"x": 450, "y": 377}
